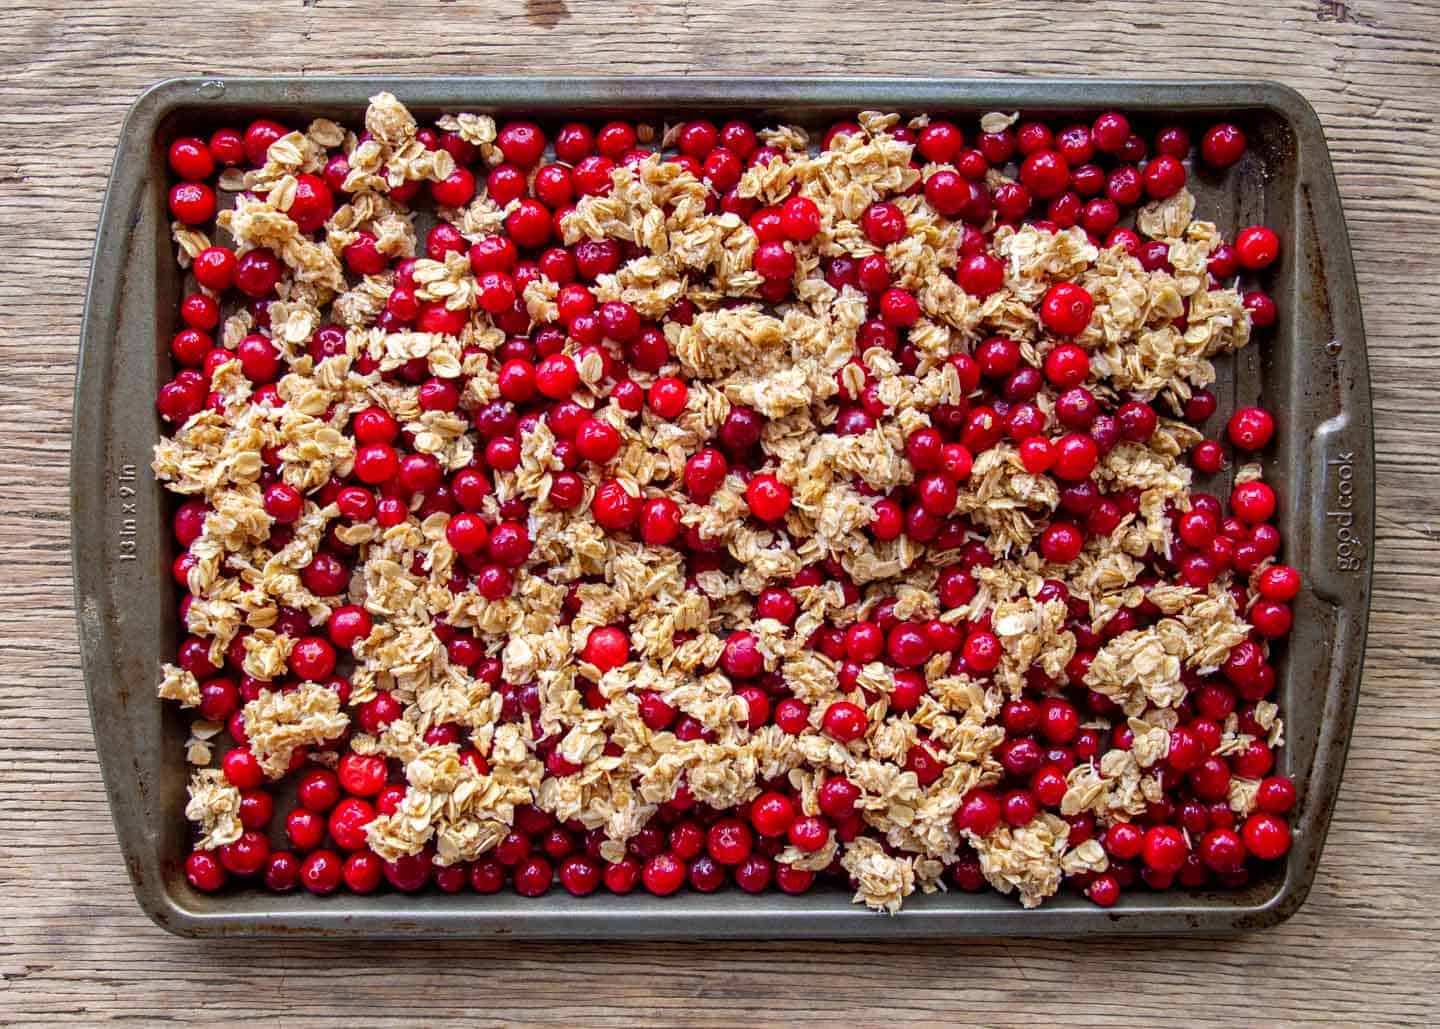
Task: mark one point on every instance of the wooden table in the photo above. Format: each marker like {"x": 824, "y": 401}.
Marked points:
{"x": 74, "y": 946}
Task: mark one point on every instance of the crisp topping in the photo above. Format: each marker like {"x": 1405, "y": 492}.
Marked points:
{"x": 490, "y": 658}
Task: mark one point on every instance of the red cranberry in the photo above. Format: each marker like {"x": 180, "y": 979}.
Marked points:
{"x": 1253, "y": 502}
{"x": 997, "y": 147}
{"x": 216, "y": 268}
{"x": 1222, "y": 850}
{"x": 451, "y": 878}
{"x": 738, "y": 138}
{"x": 1061, "y": 543}
{"x": 312, "y": 204}
{"x": 1253, "y": 762}
{"x": 204, "y": 871}
{"x": 1208, "y": 457}
{"x": 663, "y": 874}
{"x": 668, "y": 397}
{"x": 1045, "y": 174}
{"x": 754, "y": 873}
{"x": 793, "y": 880}
{"x": 1163, "y": 849}
{"x": 980, "y": 274}
{"x": 246, "y": 855}
{"x": 227, "y": 147}
{"x": 1137, "y": 421}
{"x": 1276, "y": 795}
{"x": 348, "y": 821}
{"x": 1036, "y": 454}
{"x": 873, "y": 273}
{"x": 800, "y": 219}
{"x": 1278, "y": 583}
{"x": 979, "y": 812}
{"x": 1164, "y": 176}
{"x": 1104, "y": 890}
{"x": 1048, "y": 785}
{"x": 321, "y": 872}
{"x": 1256, "y": 247}
{"x": 950, "y": 194}
{"x": 1011, "y": 200}
{"x": 319, "y": 790}
{"x": 1067, "y": 365}
{"x": 981, "y": 652}
{"x": 844, "y": 721}
{"x": 1251, "y": 428}
{"x": 242, "y": 769}
{"x": 741, "y": 657}
{"x": 809, "y": 833}
{"x": 219, "y": 699}
{"x": 607, "y": 648}
{"x": 1123, "y": 841}
{"x": 1133, "y": 149}
{"x": 1110, "y": 131}
{"x": 883, "y": 223}
{"x": 312, "y": 658}
{"x": 191, "y": 159}
{"x": 767, "y": 497}
{"x": 487, "y": 876}
{"x": 1266, "y": 836}
{"x": 837, "y": 796}
{"x": 410, "y": 873}
{"x": 533, "y": 876}
{"x": 192, "y": 203}
{"x": 1075, "y": 457}
{"x": 704, "y": 473}
{"x": 1066, "y": 308}
{"x": 1075, "y": 144}
{"x": 363, "y": 775}
{"x": 1210, "y": 779}
{"x": 772, "y": 814}
{"x": 1261, "y": 308}
{"x": 282, "y": 872}
{"x": 1224, "y": 262}
{"x": 1222, "y": 145}
{"x": 1021, "y": 757}
{"x": 705, "y": 874}
{"x": 1124, "y": 186}
{"x": 256, "y": 273}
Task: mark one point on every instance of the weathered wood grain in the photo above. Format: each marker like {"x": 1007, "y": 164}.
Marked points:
{"x": 75, "y": 948}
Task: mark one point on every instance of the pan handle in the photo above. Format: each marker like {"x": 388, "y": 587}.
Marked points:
{"x": 119, "y": 526}
{"x": 1335, "y": 536}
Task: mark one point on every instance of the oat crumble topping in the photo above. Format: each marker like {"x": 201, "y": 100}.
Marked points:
{"x": 580, "y": 746}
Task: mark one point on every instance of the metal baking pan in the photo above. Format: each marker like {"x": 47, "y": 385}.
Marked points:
{"x": 1311, "y": 370}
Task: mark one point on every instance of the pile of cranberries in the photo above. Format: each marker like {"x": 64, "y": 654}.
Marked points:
{"x": 1087, "y": 175}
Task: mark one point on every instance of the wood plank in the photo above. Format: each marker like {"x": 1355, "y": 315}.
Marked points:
{"x": 76, "y": 949}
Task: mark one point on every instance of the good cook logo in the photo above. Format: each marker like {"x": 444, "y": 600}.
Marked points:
{"x": 1340, "y": 516}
